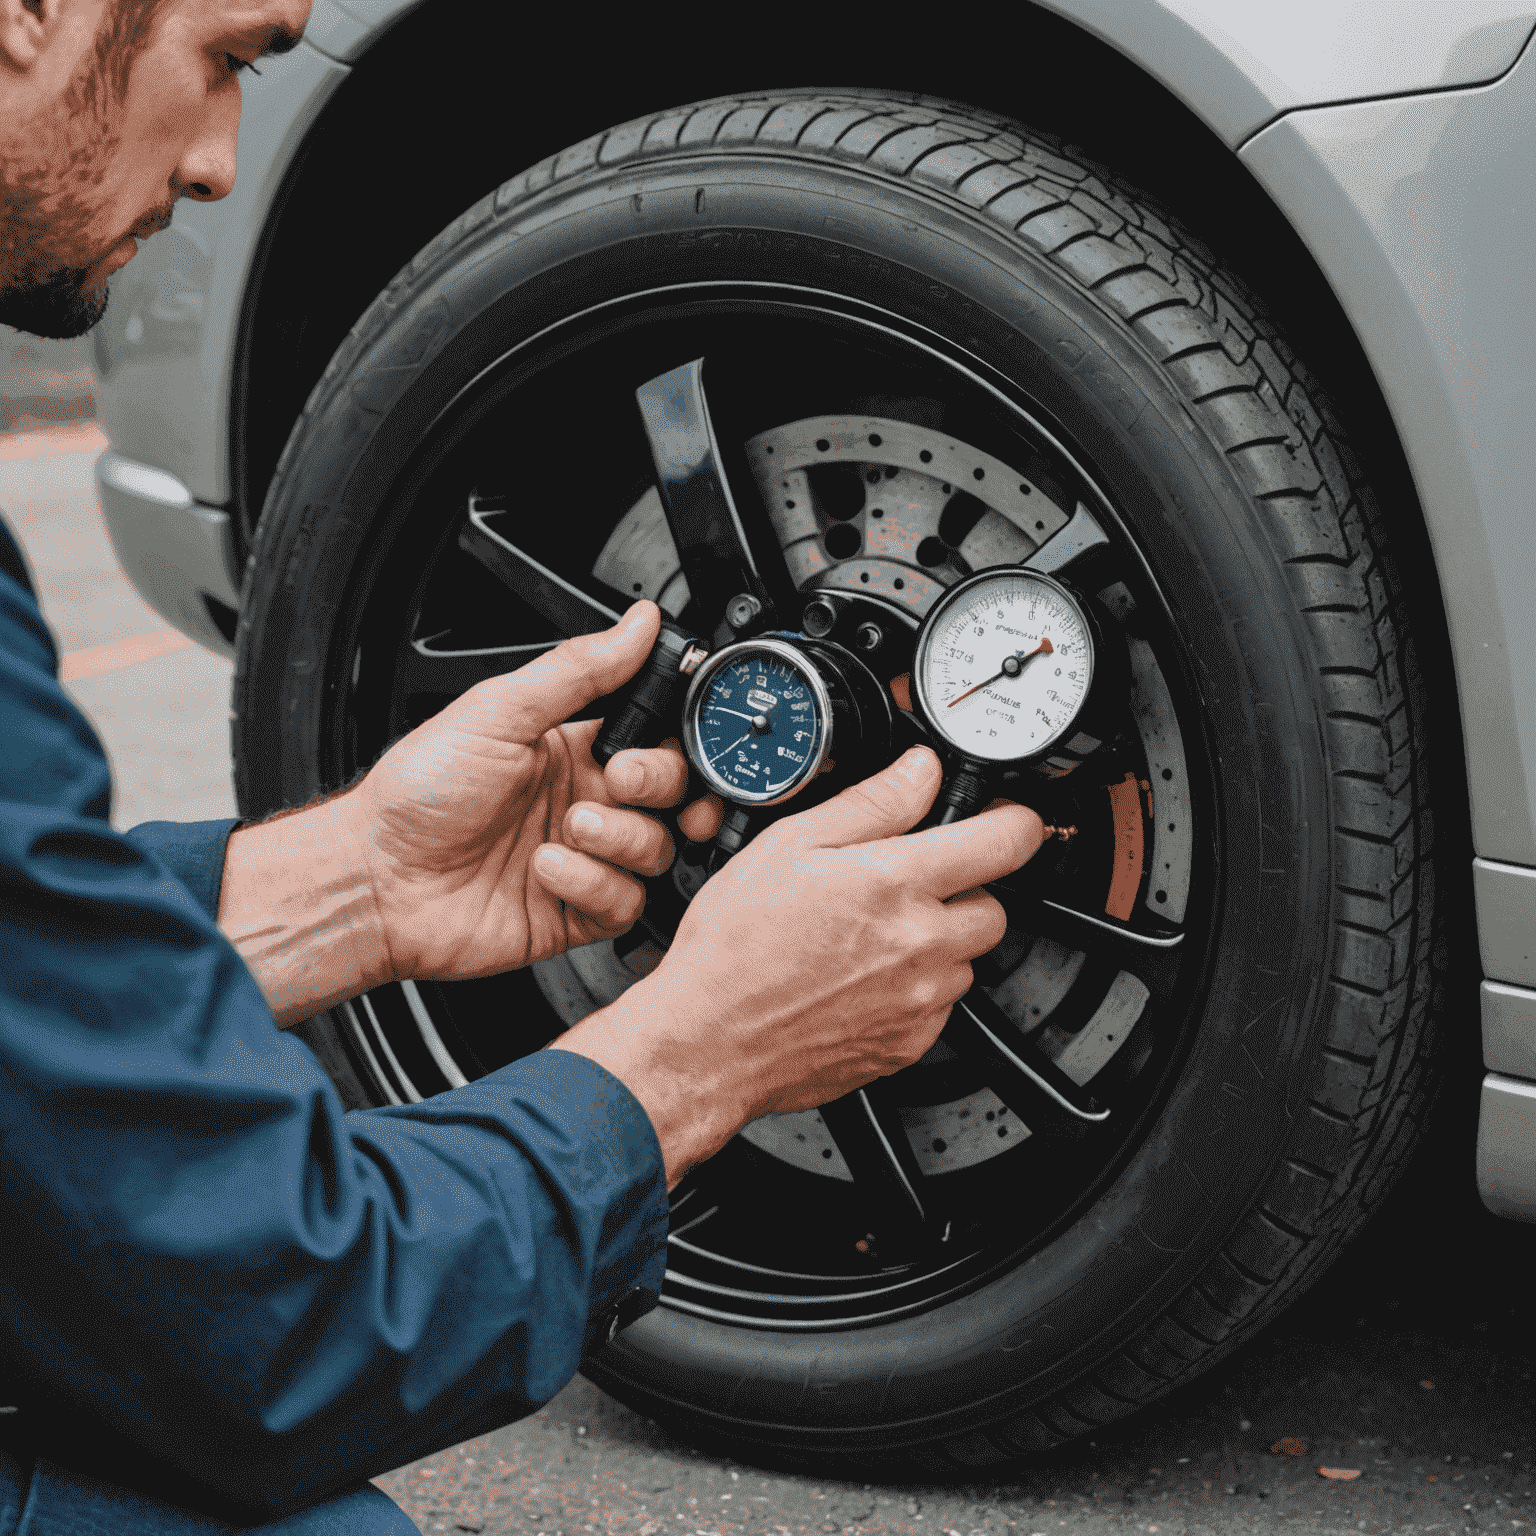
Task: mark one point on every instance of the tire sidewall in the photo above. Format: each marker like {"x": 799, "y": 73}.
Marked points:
{"x": 741, "y": 217}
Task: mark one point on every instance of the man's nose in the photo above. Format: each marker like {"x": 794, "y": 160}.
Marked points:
{"x": 206, "y": 171}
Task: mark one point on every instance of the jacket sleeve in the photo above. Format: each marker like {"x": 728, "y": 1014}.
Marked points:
{"x": 192, "y": 851}
{"x": 206, "y": 1257}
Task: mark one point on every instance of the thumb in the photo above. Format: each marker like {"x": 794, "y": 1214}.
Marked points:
{"x": 887, "y": 804}
{"x": 534, "y": 699}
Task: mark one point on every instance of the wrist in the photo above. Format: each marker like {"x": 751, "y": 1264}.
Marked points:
{"x": 298, "y": 903}
{"x": 641, "y": 1039}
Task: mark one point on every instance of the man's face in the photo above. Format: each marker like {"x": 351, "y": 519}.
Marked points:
{"x": 111, "y": 110}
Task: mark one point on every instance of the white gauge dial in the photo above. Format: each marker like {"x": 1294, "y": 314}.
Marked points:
{"x": 1004, "y": 664}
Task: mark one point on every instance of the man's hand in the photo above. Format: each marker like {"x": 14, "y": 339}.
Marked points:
{"x": 827, "y": 953}
{"x": 492, "y": 838}
{"x": 485, "y": 840}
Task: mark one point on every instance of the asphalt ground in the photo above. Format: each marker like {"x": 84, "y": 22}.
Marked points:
{"x": 1410, "y": 1363}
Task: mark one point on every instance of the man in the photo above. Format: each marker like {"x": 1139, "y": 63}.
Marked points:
{"x": 222, "y": 1297}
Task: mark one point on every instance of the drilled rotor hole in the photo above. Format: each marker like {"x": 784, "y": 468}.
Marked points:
{"x": 863, "y": 575}
{"x": 979, "y": 473}
{"x": 940, "y": 1145}
{"x": 1162, "y": 896}
{"x": 932, "y": 552}
{"x": 926, "y": 456}
{"x": 1167, "y": 773}
{"x": 822, "y": 445}
{"x": 842, "y": 541}
{"x": 961, "y": 514}
{"x": 639, "y": 586}
{"x": 1023, "y": 489}
{"x": 826, "y": 1152}
{"x": 874, "y": 439}
{"x": 839, "y": 490}
{"x": 877, "y": 512}
{"x": 898, "y": 584}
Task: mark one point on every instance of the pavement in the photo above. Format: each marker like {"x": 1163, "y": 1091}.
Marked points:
{"x": 1410, "y": 1363}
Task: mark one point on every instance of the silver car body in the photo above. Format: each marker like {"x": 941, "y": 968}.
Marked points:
{"x": 1397, "y": 138}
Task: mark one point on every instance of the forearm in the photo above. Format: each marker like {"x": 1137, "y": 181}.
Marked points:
{"x": 298, "y": 904}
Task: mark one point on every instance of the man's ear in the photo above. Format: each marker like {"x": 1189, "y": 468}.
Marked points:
{"x": 26, "y": 28}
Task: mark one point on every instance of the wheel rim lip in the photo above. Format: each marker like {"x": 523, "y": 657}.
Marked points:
{"x": 452, "y": 424}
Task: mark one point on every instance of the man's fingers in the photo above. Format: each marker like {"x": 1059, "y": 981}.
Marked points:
{"x": 627, "y": 838}
{"x": 979, "y": 922}
{"x": 657, "y": 776}
{"x": 701, "y": 819}
{"x": 611, "y": 898}
{"x": 522, "y": 705}
{"x": 947, "y": 860}
{"x": 887, "y": 804}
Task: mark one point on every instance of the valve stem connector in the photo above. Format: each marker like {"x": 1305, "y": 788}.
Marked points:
{"x": 646, "y": 708}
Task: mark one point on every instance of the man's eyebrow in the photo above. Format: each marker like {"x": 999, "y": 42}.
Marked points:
{"x": 281, "y": 39}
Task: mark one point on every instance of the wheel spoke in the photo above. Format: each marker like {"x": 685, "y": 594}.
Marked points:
{"x": 1015, "y": 1069}
{"x": 568, "y": 607}
{"x": 447, "y": 674}
{"x": 1079, "y": 538}
{"x": 696, "y": 496}
{"x": 1148, "y": 952}
{"x": 874, "y": 1143}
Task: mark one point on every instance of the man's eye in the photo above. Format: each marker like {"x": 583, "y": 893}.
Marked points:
{"x": 238, "y": 66}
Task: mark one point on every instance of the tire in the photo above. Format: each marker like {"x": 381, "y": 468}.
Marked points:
{"x": 1283, "y": 1099}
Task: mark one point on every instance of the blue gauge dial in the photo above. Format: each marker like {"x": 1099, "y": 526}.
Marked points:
{"x": 757, "y": 722}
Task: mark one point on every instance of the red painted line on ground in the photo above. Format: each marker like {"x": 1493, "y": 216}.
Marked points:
{"x": 121, "y": 653}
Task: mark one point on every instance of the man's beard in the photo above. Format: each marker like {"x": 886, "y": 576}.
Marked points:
{"x": 59, "y": 308}
{"x": 50, "y": 167}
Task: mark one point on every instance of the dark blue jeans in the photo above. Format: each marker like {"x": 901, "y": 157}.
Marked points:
{"x": 41, "y": 1499}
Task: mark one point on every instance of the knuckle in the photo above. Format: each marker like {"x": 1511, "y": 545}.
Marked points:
{"x": 927, "y": 992}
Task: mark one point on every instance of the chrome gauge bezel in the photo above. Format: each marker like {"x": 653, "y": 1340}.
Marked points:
{"x": 934, "y": 617}
{"x": 693, "y": 704}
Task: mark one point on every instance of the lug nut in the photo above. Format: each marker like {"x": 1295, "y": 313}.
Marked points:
{"x": 741, "y": 610}
{"x": 870, "y": 637}
{"x": 819, "y": 618}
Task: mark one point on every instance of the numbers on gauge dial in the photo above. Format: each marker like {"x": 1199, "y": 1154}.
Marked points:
{"x": 759, "y": 728}
{"x": 1007, "y": 667}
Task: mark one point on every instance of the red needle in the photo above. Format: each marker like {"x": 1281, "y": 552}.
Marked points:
{"x": 1045, "y": 648}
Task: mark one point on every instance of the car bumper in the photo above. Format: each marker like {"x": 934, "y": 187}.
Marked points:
{"x": 177, "y": 552}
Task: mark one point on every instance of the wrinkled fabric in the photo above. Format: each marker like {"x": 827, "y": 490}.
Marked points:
{"x": 42, "y": 1499}
{"x": 211, "y": 1272}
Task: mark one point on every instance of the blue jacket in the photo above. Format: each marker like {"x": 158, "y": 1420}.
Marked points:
{"x": 209, "y": 1270}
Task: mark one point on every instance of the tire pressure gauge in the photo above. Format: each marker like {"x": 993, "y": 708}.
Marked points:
{"x": 1002, "y": 675}
{"x": 757, "y": 722}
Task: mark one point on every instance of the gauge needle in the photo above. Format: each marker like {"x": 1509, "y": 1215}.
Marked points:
{"x": 1045, "y": 648}
{"x": 723, "y": 750}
